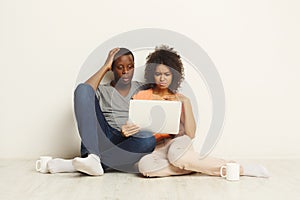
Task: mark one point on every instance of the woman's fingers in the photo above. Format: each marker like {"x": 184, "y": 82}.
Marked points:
{"x": 176, "y": 97}
{"x": 182, "y": 98}
{"x": 169, "y": 97}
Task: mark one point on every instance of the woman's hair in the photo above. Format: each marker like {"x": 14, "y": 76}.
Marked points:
{"x": 169, "y": 57}
{"x": 121, "y": 52}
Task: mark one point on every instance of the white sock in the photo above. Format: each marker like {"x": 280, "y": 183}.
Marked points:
{"x": 59, "y": 165}
{"x": 255, "y": 170}
{"x": 90, "y": 165}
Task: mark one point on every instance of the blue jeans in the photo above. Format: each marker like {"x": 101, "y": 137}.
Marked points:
{"x": 98, "y": 137}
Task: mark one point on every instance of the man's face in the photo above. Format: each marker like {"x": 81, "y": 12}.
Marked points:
{"x": 123, "y": 70}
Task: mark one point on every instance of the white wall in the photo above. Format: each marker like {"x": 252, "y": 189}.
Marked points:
{"x": 254, "y": 45}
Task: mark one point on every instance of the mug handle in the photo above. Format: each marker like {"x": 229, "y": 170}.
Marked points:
{"x": 221, "y": 171}
{"x": 38, "y": 165}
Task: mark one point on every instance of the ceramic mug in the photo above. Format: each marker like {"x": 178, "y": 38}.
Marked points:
{"x": 232, "y": 171}
{"x": 41, "y": 164}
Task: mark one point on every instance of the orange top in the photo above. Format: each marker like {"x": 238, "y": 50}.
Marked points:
{"x": 147, "y": 95}
{"x": 144, "y": 95}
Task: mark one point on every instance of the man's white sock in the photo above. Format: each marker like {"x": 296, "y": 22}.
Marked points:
{"x": 255, "y": 170}
{"x": 59, "y": 165}
{"x": 90, "y": 165}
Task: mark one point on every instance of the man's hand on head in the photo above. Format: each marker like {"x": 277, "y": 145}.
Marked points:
{"x": 110, "y": 58}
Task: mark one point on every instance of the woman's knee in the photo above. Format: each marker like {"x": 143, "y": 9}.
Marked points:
{"x": 178, "y": 148}
{"x": 150, "y": 165}
{"x": 145, "y": 165}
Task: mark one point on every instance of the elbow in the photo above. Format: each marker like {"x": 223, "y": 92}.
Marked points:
{"x": 91, "y": 84}
{"x": 191, "y": 134}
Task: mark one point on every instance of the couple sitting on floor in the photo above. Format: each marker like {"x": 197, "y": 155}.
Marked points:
{"x": 108, "y": 141}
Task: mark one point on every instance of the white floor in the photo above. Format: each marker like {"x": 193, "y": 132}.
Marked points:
{"x": 18, "y": 180}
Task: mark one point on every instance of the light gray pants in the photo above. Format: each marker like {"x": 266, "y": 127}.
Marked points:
{"x": 177, "y": 157}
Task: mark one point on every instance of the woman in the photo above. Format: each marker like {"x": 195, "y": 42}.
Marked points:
{"x": 175, "y": 156}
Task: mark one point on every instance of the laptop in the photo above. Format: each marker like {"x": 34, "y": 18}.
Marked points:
{"x": 155, "y": 115}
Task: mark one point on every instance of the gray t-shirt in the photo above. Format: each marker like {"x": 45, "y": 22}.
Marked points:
{"x": 113, "y": 105}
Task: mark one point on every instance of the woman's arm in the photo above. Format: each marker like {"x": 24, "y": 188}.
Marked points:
{"x": 189, "y": 120}
{"x": 95, "y": 80}
{"x": 188, "y": 116}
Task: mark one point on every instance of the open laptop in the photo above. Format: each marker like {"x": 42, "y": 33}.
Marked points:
{"x": 155, "y": 115}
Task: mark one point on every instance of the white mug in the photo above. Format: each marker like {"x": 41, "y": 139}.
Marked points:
{"x": 232, "y": 171}
{"x": 41, "y": 164}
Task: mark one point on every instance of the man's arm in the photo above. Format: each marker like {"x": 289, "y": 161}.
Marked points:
{"x": 95, "y": 80}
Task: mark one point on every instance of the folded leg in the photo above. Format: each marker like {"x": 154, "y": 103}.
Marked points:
{"x": 181, "y": 154}
{"x": 156, "y": 164}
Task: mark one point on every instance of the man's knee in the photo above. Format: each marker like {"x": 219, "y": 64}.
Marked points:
{"x": 84, "y": 96}
{"x": 148, "y": 144}
{"x": 145, "y": 144}
{"x": 83, "y": 90}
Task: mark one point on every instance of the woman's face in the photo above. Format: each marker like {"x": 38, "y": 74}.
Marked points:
{"x": 163, "y": 77}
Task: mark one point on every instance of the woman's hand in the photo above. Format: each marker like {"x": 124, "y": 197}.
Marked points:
{"x": 176, "y": 97}
{"x": 129, "y": 129}
{"x": 110, "y": 58}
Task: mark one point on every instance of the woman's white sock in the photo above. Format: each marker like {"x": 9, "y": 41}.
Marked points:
{"x": 58, "y": 165}
{"x": 255, "y": 170}
{"x": 90, "y": 165}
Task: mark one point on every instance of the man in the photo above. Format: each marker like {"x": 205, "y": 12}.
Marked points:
{"x": 101, "y": 112}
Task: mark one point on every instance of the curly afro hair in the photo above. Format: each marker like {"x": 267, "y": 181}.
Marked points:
{"x": 169, "y": 57}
